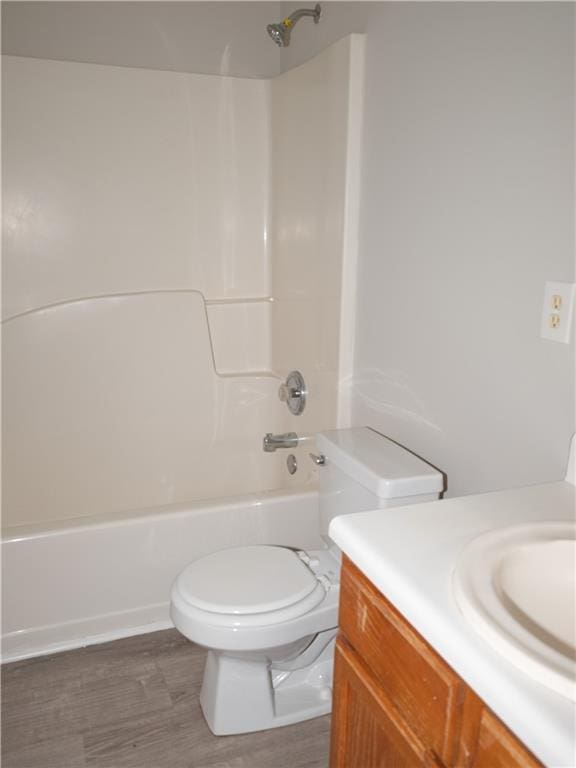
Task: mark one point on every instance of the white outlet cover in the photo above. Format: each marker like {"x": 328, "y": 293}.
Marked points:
{"x": 562, "y": 332}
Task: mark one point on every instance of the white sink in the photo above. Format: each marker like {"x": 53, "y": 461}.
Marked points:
{"x": 516, "y": 586}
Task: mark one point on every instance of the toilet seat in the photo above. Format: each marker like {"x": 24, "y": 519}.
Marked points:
{"x": 249, "y": 587}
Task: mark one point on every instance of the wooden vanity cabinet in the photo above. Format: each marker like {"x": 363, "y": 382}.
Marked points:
{"x": 397, "y": 704}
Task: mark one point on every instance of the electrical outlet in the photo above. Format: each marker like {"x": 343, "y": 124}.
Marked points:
{"x": 557, "y": 312}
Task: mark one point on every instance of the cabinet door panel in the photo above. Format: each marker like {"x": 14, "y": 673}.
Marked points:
{"x": 367, "y": 731}
{"x": 425, "y": 689}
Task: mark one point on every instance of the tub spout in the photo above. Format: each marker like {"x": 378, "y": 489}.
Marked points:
{"x": 271, "y": 442}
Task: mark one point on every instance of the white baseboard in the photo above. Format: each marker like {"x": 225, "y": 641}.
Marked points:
{"x": 42, "y": 641}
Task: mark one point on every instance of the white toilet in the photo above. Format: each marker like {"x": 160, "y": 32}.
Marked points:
{"x": 268, "y": 614}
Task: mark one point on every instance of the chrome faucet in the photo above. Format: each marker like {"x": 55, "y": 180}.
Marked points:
{"x": 271, "y": 442}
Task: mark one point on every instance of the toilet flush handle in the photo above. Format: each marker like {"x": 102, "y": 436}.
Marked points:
{"x": 318, "y": 458}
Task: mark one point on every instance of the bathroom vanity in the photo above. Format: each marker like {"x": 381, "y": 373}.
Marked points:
{"x": 405, "y": 707}
{"x": 415, "y": 683}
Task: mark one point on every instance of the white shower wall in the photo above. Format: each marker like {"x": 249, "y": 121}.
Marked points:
{"x": 316, "y": 125}
{"x": 142, "y": 343}
{"x": 120, "y": 179}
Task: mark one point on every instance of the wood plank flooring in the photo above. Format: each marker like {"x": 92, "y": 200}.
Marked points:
{"x": 134, "y": 704}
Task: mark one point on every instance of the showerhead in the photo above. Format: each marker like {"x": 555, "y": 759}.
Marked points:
{"x": 280, "y": 32}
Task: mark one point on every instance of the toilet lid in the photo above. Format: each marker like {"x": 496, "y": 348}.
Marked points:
{"x": 246, "y": 580}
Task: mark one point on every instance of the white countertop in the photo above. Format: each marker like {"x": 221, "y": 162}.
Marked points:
{"x": 409, "y": 554}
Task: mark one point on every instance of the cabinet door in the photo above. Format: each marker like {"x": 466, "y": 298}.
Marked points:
{"x": 367, "y": 732}
{"x": 425, "y": 690}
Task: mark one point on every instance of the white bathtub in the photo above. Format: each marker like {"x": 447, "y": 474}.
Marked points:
{"x": 79, "y": 583}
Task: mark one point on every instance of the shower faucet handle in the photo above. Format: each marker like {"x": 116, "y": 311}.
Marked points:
{"x": 293, "y": 393}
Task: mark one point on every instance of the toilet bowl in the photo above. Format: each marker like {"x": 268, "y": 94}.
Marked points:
{"x": 269, "y": 614}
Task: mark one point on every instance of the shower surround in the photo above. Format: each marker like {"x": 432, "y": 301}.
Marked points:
{"x": 174, "y": 245}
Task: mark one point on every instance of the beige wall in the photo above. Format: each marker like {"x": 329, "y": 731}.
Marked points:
{"x": 212, "y": 38}
{"x": 467, "y": 209}
{"x": 337, "y": 20}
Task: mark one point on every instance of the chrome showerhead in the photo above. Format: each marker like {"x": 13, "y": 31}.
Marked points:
{"x": 280, "y": 32}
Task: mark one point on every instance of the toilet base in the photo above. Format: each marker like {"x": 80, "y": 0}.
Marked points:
{"x": 242, "y": 696}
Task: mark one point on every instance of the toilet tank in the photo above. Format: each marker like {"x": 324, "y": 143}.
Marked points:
{"x": 364, "y": 470}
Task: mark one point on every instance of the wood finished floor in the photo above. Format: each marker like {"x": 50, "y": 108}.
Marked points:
{"x": 134, "y": 703}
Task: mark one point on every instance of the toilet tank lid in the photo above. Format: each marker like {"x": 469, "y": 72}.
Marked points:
{"x": 379, "y": 464}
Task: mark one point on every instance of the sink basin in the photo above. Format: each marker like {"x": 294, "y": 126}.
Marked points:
{"x": 516, "y": 586}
